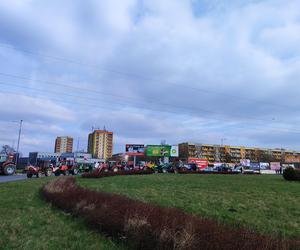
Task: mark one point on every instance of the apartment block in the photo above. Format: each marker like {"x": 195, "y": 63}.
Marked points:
{"x": 233, "y": 154}
{"x": 100, "y": 144}
{"x": 63, "y": 144}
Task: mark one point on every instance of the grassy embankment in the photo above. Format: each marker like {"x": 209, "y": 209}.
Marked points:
{"x": 28, "y": 222}
{"x": 267, "y": 204}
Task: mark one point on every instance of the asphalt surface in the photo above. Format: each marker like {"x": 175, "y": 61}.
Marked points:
{"x": 16, "y": 177}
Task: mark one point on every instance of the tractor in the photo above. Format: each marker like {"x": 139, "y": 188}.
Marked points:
{"x": 7, "y": 166}
{"x": 66, "y": 166}
{"x": 43, "y": 167}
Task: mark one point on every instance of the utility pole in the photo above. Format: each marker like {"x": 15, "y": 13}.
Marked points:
{"x": 222, "y": 141}
{"x": 18, "y": 144}
{"x": 77, "y": 145}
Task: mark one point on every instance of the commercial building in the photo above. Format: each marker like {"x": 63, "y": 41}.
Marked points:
{"x": 233, "y": 154}
{"x": 100, "y": 144}
{"x": 35, "y": 156}
{"x": 63, "y": 144}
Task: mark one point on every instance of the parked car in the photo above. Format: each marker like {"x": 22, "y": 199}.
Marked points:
{"x": 208, "y": 169}
{"x": 188, "y": 167}
{"x": 223, "y": 168}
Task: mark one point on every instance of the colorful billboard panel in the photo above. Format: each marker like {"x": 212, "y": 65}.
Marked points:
{"x": 158, "y": 150}
{"x": 135, "y": 149}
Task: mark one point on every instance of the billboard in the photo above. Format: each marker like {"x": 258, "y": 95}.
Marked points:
{"x": 254, "y": 166}
{"x": 245, "y": 162}
{"x": 158, "y": 150}
{"x": 135, "y": 149}
{"x": 201, "y": 163}
{"x": 174, "y": 151}
{"x": 264, "y": 165}
{"x": 275, "y": 165}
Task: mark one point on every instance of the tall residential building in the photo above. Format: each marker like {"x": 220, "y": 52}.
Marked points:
{"x": 100, "y": 144}
{"x": 63, "y": 144}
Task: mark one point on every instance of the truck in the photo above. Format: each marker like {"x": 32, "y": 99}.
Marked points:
{"x": 7, "y": 166}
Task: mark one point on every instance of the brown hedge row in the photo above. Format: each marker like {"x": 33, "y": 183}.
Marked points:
{"x": 147, "y": 226}
{"x": 98, "y": 174}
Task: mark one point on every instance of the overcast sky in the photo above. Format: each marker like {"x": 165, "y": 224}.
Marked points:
{"x": 178, "y": 70}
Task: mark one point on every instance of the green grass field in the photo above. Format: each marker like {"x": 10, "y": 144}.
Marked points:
{"x": 265, "y": 203}
{"x": 27, "y": 222}
{"x": 268, "y": 204}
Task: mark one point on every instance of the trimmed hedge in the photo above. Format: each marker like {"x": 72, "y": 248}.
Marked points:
{"x": 146, "y": 226}
{"x": 291, "y": 174}
{"x": 97, "y": 174}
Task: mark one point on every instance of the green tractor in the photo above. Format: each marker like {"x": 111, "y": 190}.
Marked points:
{"x": 7, "y": 166}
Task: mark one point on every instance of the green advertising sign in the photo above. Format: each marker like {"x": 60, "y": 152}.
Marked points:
{"x": 160, "y": 150}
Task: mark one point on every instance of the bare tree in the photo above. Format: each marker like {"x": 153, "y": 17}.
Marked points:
{"x": 6, "y": 149}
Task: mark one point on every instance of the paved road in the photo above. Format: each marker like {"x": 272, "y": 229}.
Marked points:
{"x": 10, "y": 178}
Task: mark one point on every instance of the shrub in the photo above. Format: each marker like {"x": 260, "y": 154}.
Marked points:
{"x": 291, "y": 174}
{"x": 147, "y": 226}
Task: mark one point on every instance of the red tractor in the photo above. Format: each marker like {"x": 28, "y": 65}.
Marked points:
{"x": 66, "y": 166}
{"x": 7, "y": 166}
{"x": 42, "y": 168}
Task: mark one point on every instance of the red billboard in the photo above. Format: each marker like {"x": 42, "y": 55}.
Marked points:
{"x": 201, "y": 163}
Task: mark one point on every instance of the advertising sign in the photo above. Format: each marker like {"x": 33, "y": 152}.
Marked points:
{"x": 245, "y": 162}
{"x": 174, "y": 151}
{"x": 201, "y": 163}
{"x": 158, "y": 150}
{"x": 264, "y": 165}
{"x": 135, "y": 149}
{"x": 254, "y": 165}
{"x": 275, "y": 165}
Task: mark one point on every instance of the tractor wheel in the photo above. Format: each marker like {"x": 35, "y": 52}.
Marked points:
{"x": 29, "y": 175}
{"x": 48, "y": 172}
{"x": 9, "y": 169}
{"x": 57, "y": 173}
